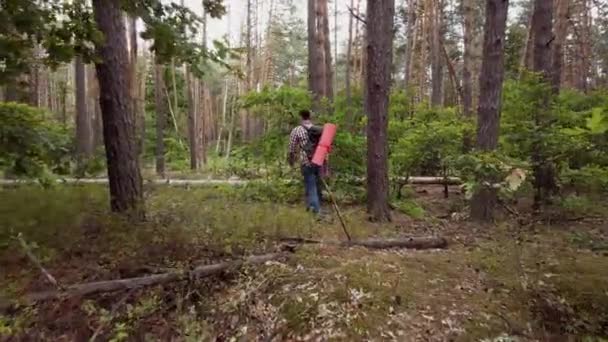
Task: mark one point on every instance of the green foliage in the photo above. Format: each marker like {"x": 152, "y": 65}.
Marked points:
{"x": 426, "y": 144}
{"x": 29, "y": 144}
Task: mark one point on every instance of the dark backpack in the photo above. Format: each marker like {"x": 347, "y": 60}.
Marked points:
{"x": 314, "y": 135}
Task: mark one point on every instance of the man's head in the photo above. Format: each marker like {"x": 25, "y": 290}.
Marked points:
{"x": 305, "y": 114}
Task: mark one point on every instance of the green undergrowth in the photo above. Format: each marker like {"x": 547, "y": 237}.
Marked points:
{"x": 528, "y": 282}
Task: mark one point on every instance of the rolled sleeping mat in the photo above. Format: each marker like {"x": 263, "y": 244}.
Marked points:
{"x": 324, "y": 146}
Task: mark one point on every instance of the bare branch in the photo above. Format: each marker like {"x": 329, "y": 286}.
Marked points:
{"x": 356, "y": 15}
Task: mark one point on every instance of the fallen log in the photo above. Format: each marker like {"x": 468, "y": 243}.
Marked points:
{"x": 425, "y": 242}
{"x": 230, "y": 181}
{"x": 86, "y": 289}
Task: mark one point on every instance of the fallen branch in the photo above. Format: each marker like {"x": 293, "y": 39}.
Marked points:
{"x": 426, "y": 242}
{"x": 37, "y": 262}
{"x": 337, "y": 209}
{"x": 85, "y": 289}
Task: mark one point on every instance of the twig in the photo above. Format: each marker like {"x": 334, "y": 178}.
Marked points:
{"x": 356, "y": 16}
{"x": 333, "y": 201}
{"x": 37, "y": 262}
{"x": 115, "y": 308}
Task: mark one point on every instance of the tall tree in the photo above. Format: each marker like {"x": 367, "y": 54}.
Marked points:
{"x": 329, "y": 78}
{"x": 560, "y": 31}
{"x": 544, "y": 170}
{"x": 436, "y": 52}
{"x": 467, "y": 77}
{"x": 488, "y": 112}
{"x": 349, "y": 63}
{"x": 133, "y": 82}
{"x": 412, "y": 8}
{"x": 377, "y": 89}
{"x": 126, "y": 193}
{"x": 161, "y": 106}
{"x": 83, "y": 119}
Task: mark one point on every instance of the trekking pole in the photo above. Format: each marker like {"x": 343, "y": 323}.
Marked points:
{"x": 335, "y": 205}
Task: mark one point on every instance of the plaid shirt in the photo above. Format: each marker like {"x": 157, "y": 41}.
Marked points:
{"x": 297, "y": 141}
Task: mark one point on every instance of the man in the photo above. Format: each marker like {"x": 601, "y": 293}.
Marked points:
{"x": 301, "y": 145}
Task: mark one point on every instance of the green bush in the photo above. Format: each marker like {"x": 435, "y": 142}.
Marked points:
{"x": 30, "y": 145}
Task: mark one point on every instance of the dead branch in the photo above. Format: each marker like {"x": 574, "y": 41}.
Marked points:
{"x": 199, "y": 272}
{"x": 356, "y": 15}
{"x": 37, "y": 262}
{"x": 426, "y": 242}
{"x": 336, "y": 208}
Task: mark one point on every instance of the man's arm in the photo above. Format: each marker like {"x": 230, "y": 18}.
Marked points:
{"x": 293, "y": 145}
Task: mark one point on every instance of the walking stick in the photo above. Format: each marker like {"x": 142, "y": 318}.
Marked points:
{"x": 336, "y": 208}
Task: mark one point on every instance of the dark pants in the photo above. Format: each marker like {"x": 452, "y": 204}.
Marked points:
{"x": 312, "y": 187}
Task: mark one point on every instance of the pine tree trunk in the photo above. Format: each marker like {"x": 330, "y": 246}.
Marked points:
{"x": 119, "y": 130}
{"x": 349, "y": 61}
{"x": 329, "y": 77}
{"x": 436, "y": 53}
{"x": 560, "y": 31}
{"x": 377, "y": 90}
{"x": 488, "y": 112}
{"x": 411, "y": 25}
{"x": 312, "y": 29}
{"x": 161, "y": 106}
{"x": 467, "y": 76}
{"x": 83, "y": 121}
{"x": 544, "y": 170}
{"x": 320, "y": 64}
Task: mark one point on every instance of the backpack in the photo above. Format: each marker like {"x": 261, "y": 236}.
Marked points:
{"x": 314, "y": 135}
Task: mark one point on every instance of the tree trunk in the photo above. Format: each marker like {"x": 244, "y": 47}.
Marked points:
{"x": 83, "y": 119}
{"x": 161, "y": 117}
{"x": 134, "y": 84}
{"x": 335, "y": 64}
{"x": 436, "y": 53}
{"x": 411, "y": 24}
{"x": 320, "y": 64}
{"x": 119, "y": 130}
{"x": 379, "y": 43}
{"x": 329, "y": 77}
{"x": 349, "y": 61}
{"x": 559, "y": 31}
{"x": 467, "y": 77}
{"x": 312, "y": 29}
{"x": 488, "y": 112}
{"x": 544, "y": 170}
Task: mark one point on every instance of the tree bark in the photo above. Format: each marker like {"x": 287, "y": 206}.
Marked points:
{"x": 312, "y": 29}
{"x": 559, "y": 31}
{"x": 320, "y": 64}
{"x": 467, "y": 77}
{"x": 544, "y": 170}
{"x": 379, "y": 43}
{"x": 119, "y": 131}
{"x": 161, "y": 117}
{"x": 349, "y": 61}
{"x": 411, "y": 25}
{"x": 436, "y": 53}
{"x": 329, "y": 77}
{"x": 488, "y": 112}
{"x": 134, "y": 84}
{"x": 83, "y": 120}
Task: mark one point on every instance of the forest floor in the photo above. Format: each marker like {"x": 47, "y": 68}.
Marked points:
{"x": 524, "y": 278}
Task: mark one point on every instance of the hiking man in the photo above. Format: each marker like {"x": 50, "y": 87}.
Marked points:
{"x": 303, "y": 141}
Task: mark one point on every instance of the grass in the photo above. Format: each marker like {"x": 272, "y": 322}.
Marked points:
{"x": 533, "y": 282}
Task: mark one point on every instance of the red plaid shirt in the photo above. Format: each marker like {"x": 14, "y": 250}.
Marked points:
{"x": 297, "y": 141}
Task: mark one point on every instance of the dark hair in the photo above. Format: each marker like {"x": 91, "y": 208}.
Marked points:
{"x": 305, "y": 114}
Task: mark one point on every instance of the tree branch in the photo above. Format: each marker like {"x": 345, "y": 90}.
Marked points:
{"x": 356, "y": 15}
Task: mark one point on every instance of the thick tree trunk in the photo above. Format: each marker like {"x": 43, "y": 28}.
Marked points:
{"x": 544, "y": 170}
{"x": 83, "y": 120}
{"x": 559, "y": 31}
{"x": 488, "y": 112}
{"x": 379, "y": 42}
{"x": 467, "y": 76}
{"x": 436, "y": 53}
{"x": 161, "y": 105}
{"x": 119, "y": 129}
